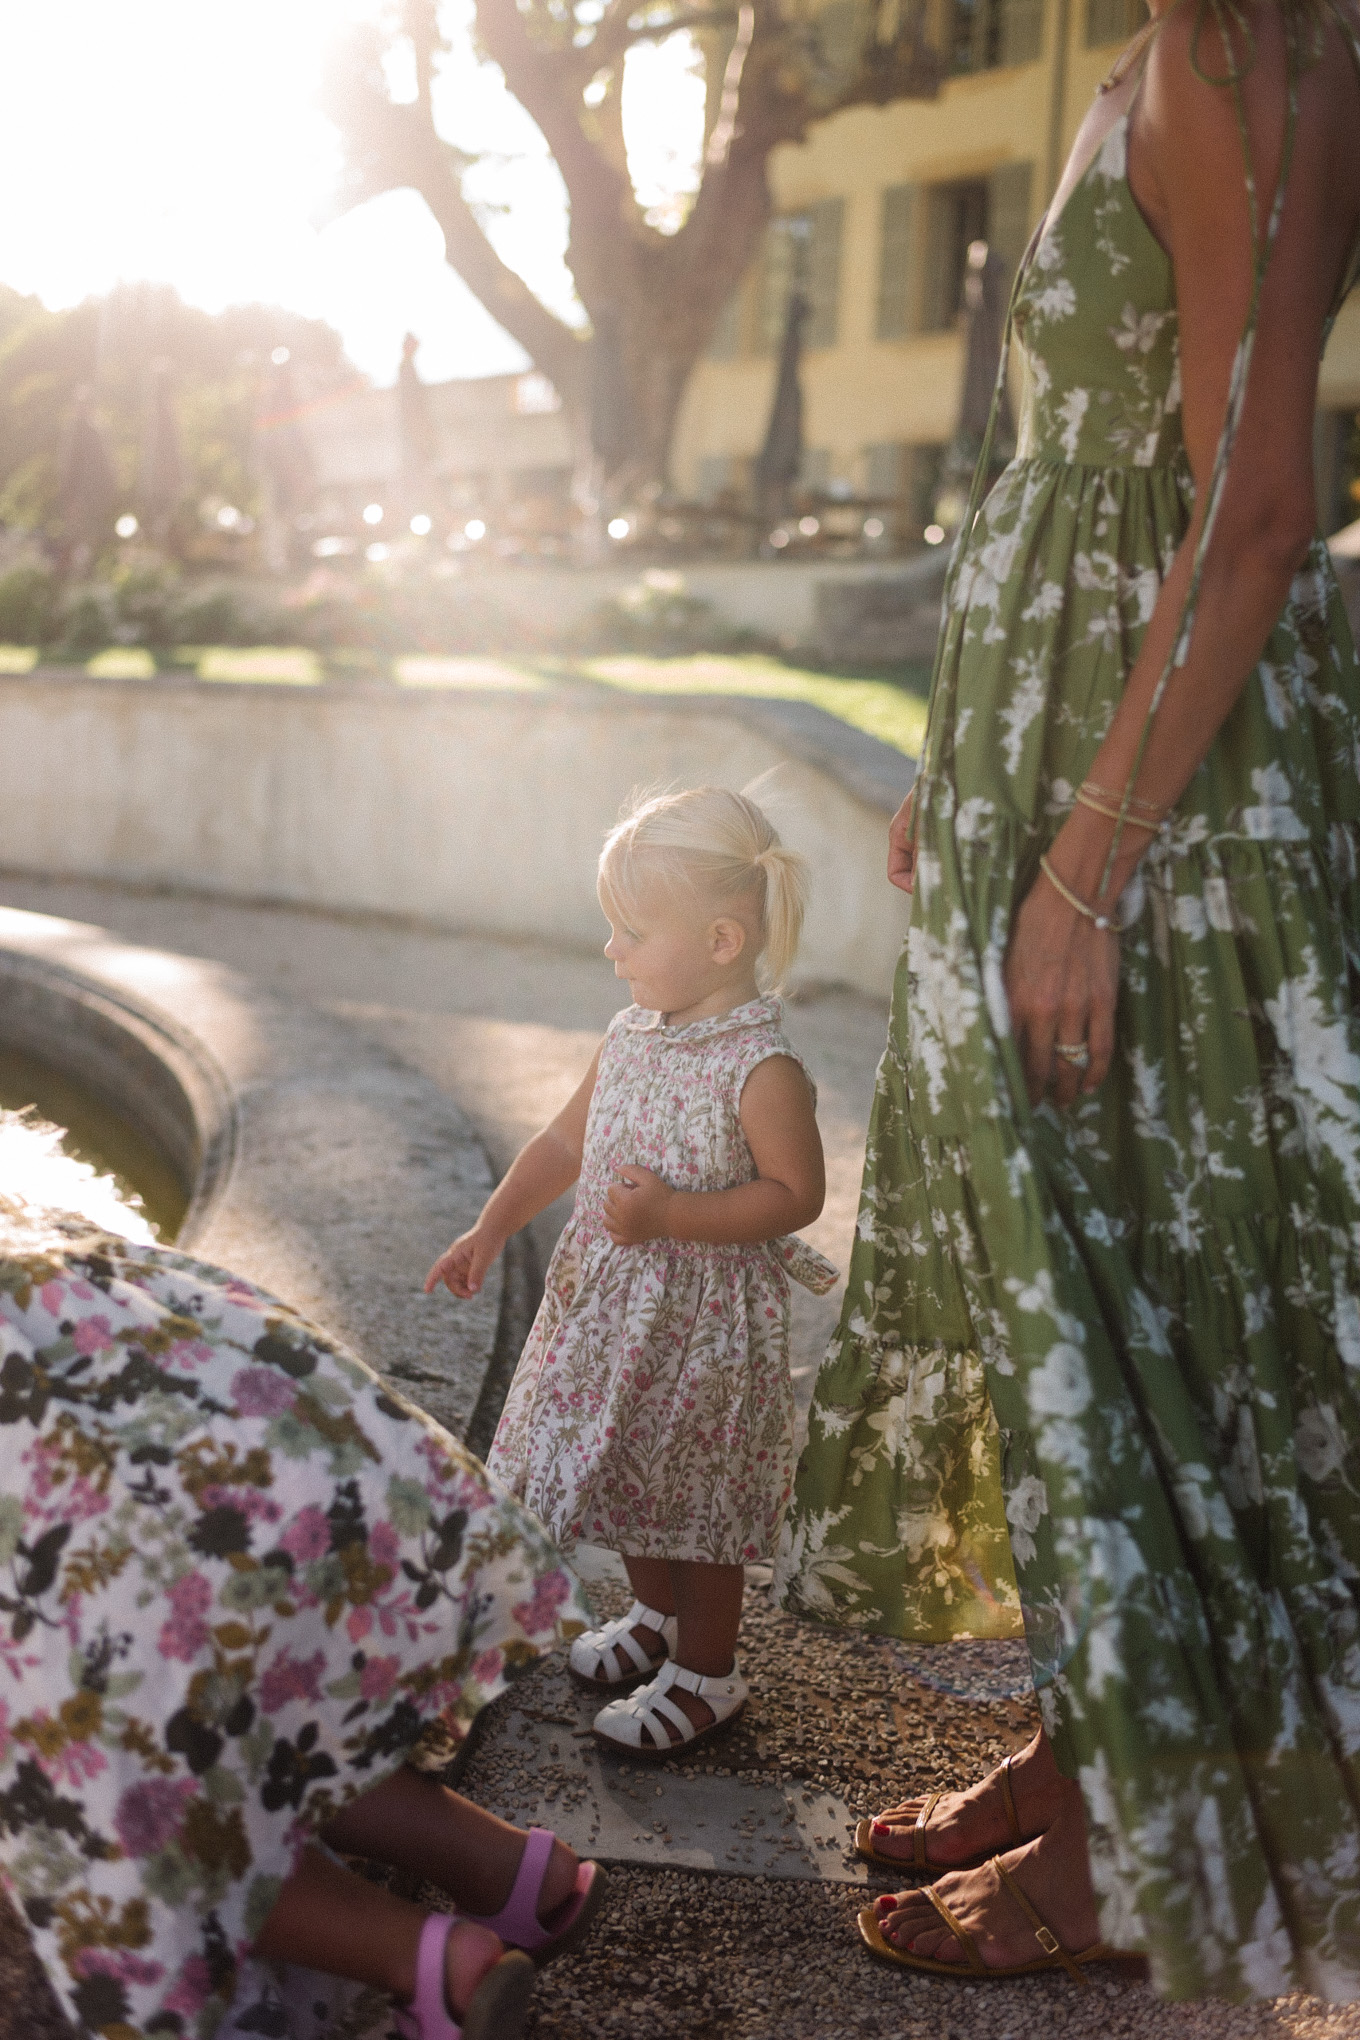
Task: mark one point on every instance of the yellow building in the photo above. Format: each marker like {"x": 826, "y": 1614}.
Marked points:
{"x": 877, "y": 210}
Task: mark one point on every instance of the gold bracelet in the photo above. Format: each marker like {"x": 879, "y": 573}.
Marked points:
{"x": 1149, "y": 807}
{"x": 1100, "y": 807}
{"x": 1065, "y": 892}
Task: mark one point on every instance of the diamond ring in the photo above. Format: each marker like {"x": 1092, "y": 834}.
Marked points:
{"x": 1074, "y": 1052}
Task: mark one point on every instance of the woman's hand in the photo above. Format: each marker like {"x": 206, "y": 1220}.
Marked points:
{"x": 635, "y": 1208}
{"x": 902, "y": 845}
{"x": 462, "y": 1267}
{"x": 1062, "y": 978}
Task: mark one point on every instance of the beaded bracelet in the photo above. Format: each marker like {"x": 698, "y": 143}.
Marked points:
{"x": 1098, "y": 920}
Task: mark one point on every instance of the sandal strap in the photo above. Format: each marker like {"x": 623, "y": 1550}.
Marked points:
{"x": 1043, "y": 1933}
{"x": 705, "y": 1686}
{"x": 1009, "y": 1796}
{"x": 918, "y": 1833}
{"x": 976, "y": 1965}
{"x": 616, "y": 1638}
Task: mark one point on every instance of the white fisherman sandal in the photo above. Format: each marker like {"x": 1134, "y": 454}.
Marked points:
{"x": 613, "y": 1657}
{"x": 638, "y": 1724}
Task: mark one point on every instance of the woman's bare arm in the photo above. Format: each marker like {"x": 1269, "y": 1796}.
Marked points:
{"x": 1187, "y": 172}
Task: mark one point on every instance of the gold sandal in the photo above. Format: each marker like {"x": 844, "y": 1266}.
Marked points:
{"x": 864, "y": 1834}
{"x": 1055, "y": 1956}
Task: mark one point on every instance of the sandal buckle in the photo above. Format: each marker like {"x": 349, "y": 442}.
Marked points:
{"x": 1047, "y": 1940}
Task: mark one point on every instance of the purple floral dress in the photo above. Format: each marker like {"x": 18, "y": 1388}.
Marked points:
{"x": 652, "y": 1409}
{"x": 240, "y": 1582}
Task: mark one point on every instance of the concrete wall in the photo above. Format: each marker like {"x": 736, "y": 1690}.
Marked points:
{"x": 467, "y": 809}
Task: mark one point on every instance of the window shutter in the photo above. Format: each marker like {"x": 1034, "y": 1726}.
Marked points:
{"x": 1022, "y": 31}
{"x": 1008, "y": 202}
{"x": 823, "y": 280}
{"x": 937, "y": 310}
{"x": 776, "y": 280}
{"x": 895, "y": 263}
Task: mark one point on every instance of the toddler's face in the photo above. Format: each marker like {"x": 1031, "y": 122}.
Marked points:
{"x": 667, "y": 951}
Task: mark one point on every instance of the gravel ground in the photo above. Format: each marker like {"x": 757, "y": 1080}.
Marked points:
{"x": 680, "y": 1956}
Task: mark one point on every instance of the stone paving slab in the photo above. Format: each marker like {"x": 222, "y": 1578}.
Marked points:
{"x": 637, "y": 1813}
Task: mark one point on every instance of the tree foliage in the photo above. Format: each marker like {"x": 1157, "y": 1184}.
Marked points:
{"x": 653, "y": 298}
{"x": 114, "y": 347}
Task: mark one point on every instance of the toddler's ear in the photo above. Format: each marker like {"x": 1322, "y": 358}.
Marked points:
{"x": 727, "y": 939}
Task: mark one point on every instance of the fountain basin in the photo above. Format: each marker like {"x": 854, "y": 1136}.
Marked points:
{"x": 311, "y": 1161}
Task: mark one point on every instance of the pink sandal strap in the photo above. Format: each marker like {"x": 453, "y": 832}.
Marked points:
{"x": 428, "y": 2015}
{"x": 517, "y": 1922}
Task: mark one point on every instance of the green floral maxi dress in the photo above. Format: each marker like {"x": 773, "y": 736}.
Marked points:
{"x": 1101, "y": 1369}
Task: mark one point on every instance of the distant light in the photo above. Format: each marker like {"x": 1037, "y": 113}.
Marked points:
{"x": 332, "y": 548}
{"x": 536, "y": 396}
{"x": 422, "y": 525}
{"x": 474, "y": 529}
{"x": 779, "y": 538}
{"x": 228, "y": 517}
{"x": 618, "y": 527}
{"x": 127, "y": 526}
{"x": 376, "y": 552}
{"x": 873, "y": 527}
{"x": 279, "y": 356}
{"x": 373, "y": 513}
{"x": 809, "y": 526}
{"x": 933, "y": 534}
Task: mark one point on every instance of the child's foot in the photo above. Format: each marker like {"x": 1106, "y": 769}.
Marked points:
{"x": 625, "y": 1650}
{"x": 488, "y": 1888}
{"x": 672, "y": 1712}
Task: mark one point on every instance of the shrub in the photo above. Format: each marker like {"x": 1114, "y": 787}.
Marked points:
{"x": 28, "y": 604}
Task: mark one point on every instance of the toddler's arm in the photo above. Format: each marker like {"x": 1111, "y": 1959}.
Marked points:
{"x": 780, "y": 1125}
{"x": 545, "y": 1167}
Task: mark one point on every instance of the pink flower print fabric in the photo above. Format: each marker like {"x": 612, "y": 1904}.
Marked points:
{"x": 652, "y": 1410}
{"x": 240, "y": 1582}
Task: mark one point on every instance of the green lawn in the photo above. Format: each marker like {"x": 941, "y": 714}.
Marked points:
{"x": 894, "y": 713}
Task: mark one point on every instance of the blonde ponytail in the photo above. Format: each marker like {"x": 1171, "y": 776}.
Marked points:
{"x": 723, "y": 848}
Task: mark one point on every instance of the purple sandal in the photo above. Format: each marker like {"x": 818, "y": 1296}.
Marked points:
{"x": 497, "y": 2009}
{"x": 517, "y": 1922}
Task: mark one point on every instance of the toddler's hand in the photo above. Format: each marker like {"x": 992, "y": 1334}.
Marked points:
{"x": 635, "y": 1209}
{"x": 462, "y": 1266}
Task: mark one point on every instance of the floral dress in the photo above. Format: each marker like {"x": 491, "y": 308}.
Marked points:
{"x": 239, "y": 1582}
{"x": 1100, "y": 1369}
{"x": 652, "y": 1408}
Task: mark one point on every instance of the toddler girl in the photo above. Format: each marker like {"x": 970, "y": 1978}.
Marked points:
{"x": 652, "y": 1410}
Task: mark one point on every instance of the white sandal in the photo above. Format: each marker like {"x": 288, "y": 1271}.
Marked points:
{"x": 638, "y": 1724}
{"x": 598, "y": 1658}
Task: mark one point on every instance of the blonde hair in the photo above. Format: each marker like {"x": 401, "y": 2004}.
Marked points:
{"x": 722, "y": 847}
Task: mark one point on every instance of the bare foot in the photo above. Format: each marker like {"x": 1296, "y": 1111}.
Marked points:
{"x": 1053, "y": 1874}
{"x": 965, "y": 1825}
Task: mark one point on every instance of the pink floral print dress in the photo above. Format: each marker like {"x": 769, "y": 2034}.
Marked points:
{"x": 240, "y": 1582}
{"x": 652, "y": 1409}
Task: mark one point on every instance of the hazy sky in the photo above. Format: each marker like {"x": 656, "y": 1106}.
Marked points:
{"x": 178, "y": 140}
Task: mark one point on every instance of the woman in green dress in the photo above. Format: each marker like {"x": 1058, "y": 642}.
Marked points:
{"x": 1098, "y": 1369}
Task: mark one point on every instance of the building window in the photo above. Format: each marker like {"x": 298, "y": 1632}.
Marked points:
{"x": 994, "y": 209}
{"x": 986, "y": 34}
{"x": 1113, "y": 21}
{"x": 803, "y": 251}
